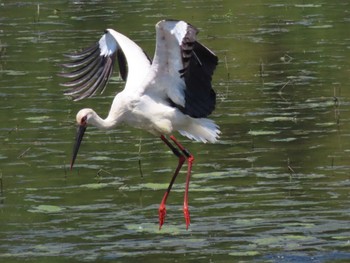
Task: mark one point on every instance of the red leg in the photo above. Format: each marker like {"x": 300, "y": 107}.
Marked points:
{"x": 190, "y": 160}
{"x": 162, "y": 208}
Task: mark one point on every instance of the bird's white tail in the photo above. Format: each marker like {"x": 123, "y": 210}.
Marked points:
{"x": 202, "y": 130}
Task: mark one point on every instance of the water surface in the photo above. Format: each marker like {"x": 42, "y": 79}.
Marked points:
{"x": 274, "y": 189}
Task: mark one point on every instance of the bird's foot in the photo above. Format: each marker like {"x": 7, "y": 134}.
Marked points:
{"x": 187, "y": 216}
{"x": 161, "y": 213}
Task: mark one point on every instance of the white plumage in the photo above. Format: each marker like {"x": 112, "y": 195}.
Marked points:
{"x": 171, "y": 93}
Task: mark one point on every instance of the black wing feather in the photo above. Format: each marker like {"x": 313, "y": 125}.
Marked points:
{"x": 91, "y": 71}
{"x": 199, "y": 65}
{"x": 123, "y": 69}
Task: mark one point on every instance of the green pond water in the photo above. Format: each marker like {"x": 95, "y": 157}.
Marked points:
{"x": 275, "y": 188}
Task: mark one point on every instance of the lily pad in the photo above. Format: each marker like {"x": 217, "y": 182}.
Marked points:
{"x": 248, "y": 253}
{"x": 290, "y": 139}
{"x": 325, "y": 124}
{"x": 287, "y": 240}
{"x": 154, "y": 228}
{"x": 307, "y": 5}
{"x": 94, "y": 185}
{"x": 100, "y": 158}
{"x": 15, "y": 73}
{"x": 210, "y": 175}
{"x": 43, "y": 77}
{"x": 262, "y": 132}
{"x": 46, "y": 209}
{"x": 155, "y": 186}
{"x": 279, "y": 118}
{"x": 321, "y": 26}
{"x": 38, "y": 119}
{"x": 341, "y": 237}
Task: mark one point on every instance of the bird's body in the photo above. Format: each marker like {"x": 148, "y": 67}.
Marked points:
{"x": 171, "y": 93}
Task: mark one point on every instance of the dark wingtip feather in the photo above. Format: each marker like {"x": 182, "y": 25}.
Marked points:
{"x": 83, "y": 53}
{"x": 123, "y": 70}
{"x": 89, "y": 73}
{"x": 200, "y": 98}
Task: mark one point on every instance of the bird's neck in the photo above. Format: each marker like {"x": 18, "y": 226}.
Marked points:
{"x": 115, "y": 116}
{"x": 104, "y": 124}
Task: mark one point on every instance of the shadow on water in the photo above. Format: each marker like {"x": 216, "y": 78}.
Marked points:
{"x": 274, "y": 189}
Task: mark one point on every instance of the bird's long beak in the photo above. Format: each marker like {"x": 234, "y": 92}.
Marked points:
{"x": 79, "y": 137}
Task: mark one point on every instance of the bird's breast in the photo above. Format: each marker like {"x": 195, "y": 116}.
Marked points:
{"x": 150, "y": 115}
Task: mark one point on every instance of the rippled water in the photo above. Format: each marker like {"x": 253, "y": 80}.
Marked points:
{"x": 274, "y": 189}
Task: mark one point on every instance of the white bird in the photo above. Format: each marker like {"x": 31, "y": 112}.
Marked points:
{"x": 172, "y": 92}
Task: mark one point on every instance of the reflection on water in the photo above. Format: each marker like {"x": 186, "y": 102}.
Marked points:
{"x": 274, "y": 189}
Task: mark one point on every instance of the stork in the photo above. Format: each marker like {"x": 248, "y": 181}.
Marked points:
{"x": 172, "y": 92}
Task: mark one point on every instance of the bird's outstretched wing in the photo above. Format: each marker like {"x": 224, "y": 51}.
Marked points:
{"x": 91, "y": 68}
{"x": 184, "y": 68}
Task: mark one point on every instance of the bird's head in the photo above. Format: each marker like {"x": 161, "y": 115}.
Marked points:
{"x": 83, "y": 118}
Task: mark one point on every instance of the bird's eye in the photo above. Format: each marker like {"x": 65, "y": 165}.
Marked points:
{"x": 83, "y": 120}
